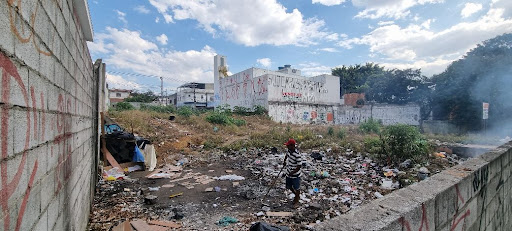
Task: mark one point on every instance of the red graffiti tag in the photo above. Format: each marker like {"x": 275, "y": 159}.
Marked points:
{"x": 9, "y": 72}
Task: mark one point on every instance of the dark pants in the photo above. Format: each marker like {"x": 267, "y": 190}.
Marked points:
{"x": 293, "y": 183}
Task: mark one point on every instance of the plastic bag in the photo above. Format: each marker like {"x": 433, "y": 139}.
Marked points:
{"x": 137, "y": 156}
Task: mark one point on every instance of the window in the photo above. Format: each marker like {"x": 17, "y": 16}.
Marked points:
{"x": 118, "y": 94}
{"x": 202, "y": 96}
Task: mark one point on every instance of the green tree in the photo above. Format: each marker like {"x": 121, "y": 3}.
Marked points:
{"x": 484, "y": 74}
{"x": 143, "y": 97}
{"x": 353, "y": 78}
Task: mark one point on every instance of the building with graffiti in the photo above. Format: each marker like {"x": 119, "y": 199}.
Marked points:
{"x": 290, "y": 97}
{"x": 286, "y": 94}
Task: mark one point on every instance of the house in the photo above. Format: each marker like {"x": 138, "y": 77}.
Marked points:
{"x": 118, "y": 95}
{"x": 199, "y": 95}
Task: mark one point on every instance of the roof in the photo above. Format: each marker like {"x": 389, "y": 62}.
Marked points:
{"x": 84, "y": 18}
{"x": 116, "y": 100}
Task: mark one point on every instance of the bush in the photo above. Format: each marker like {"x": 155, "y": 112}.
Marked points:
{"x": 242, "y": 111}
{"x": 124, "y": 106}
{"x": 185, "y": 111}
{"x": 259, "y": 110}
{"x": 330, "y": 131}
{"x": 159, "y": 109}
{"x": 217, "y": 117}
{"x": 403, "y": 142}
{"x": 225, "y": 109}
{"x": 341, "y": 133}
{"x": 373, "y": 145}
{"x": 370, "y": 126}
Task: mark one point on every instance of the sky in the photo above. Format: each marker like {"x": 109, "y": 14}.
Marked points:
{"x": 143, "y": 40}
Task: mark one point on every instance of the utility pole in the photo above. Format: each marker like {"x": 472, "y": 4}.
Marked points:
{"x": 161, "y": 89}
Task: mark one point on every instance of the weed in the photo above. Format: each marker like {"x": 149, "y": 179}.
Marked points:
{"x": 373, "y": 145}
{"x": 160, "y": 109}
{"x": 341, "y": 133}
{"x": 124, "y": 106}
{"x": 330, "y": 131}
{"x": 186, "y": 111}
{"x": 370, "y": 126}
{"x": 402, "y": 142}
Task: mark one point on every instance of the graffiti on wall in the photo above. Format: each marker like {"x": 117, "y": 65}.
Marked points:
{"x": 301, "y": 114}
{"x": 459, "y": 219}
{"x": 243, "y": 90}
{"x": 35, "y": 131}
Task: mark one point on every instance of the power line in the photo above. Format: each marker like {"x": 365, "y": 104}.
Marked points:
{"x": 142, "y": 75}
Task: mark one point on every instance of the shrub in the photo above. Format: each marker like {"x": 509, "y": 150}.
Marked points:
{"x": 242, "y": 111}
{"x": 341, "y": 133}
{"x": 225, "y": 109}
{"x": 124, "y": 106}
{"x": 370, "y": 126}
{"x": 403, "y": 142}
{"x": 222, "y": 118}
{"x": 218, "y": 118}
{"x": 259, "y": 110}
{"x": 330, "y": 131}
{"x": 159, "y": 109}
{"x": 373, "y": 145}
{"x": 185, "y": 111}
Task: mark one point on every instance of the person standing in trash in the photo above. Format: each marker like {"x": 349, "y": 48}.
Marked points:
{"x": 293, "y": 163}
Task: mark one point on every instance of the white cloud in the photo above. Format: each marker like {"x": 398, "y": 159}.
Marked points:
{"x": 142, "y": 9}
{"x": 396, "y": 9}
{"x": 384, "y": 23}
{"x": 247, "y": 22}
{"x": 168, "y": 18}
{"x": 314, "y": 69}
{"x": 266, "y": 62}
{"x": 121, "y": 16}
{"x": 157, "y": 19}
{"x": 329, "y": 49}
{"x": 329, "y": 2}
{"x": 421, "y": 47}
{"x": 505, "y": 5}
{"x": 470, "y": 9}
{"x": 126, "y": 50}
{"x": 162, "y": 39}
{"x": 118, "y": 82}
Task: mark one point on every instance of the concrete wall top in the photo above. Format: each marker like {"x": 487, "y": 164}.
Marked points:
{"x": 475, "y": 195}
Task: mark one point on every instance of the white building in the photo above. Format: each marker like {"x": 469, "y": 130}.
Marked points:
{"x": 288, "y": 96}
{"x": 118, "y": 95}
{"x": 199, "y": 95}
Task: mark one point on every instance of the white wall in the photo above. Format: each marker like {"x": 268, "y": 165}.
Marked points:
{"x": 242, "y": 89}
{"x": 311, "y": 90}
{"x": 113, "y": 94}
{"x": 301, "y": 113}
{"x": 388, "y": 114}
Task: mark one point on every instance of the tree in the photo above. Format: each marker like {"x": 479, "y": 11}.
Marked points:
{"x": 484, "y": 74}
{"x": 353, "y": 78}
{"x": 145, "y": 97}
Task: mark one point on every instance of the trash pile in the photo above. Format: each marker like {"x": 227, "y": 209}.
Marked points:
{"x": 199, "y": 192}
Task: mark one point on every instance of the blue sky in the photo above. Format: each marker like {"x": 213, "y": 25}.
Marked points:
{"x": 177, "y": 39}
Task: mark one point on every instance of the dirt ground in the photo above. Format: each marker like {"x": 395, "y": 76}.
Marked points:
{"x": 342, "y": 180}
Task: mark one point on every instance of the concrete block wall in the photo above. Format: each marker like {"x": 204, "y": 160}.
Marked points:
{"x": 476, "y": 195}
{"x": 387, "y": 113}
{"x": 47, "y": 117}
{"x": 301, "y": 113}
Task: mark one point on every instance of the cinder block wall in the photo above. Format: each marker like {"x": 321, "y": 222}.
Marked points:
{"x": 47, "y": 117}
{"x": 475, "y": 195}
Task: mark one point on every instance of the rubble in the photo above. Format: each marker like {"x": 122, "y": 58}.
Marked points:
{"x": 330, "y": 186}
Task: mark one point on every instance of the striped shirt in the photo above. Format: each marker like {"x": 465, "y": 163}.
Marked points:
{"x": 294, "y": 159}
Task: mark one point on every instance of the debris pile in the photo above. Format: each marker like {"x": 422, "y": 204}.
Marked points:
{"x": 201, "y": 193}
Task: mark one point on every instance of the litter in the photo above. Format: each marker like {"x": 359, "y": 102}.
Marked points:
{"x": 279, "y": 214}
{"x": 225, "y": 221}
{"x": 262, "y": 226}
{"x": 229, "y": 177}
{"x": 175, "y": 195}
{"x": 153, "y": 189}
{"x": 135, "y": 168}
